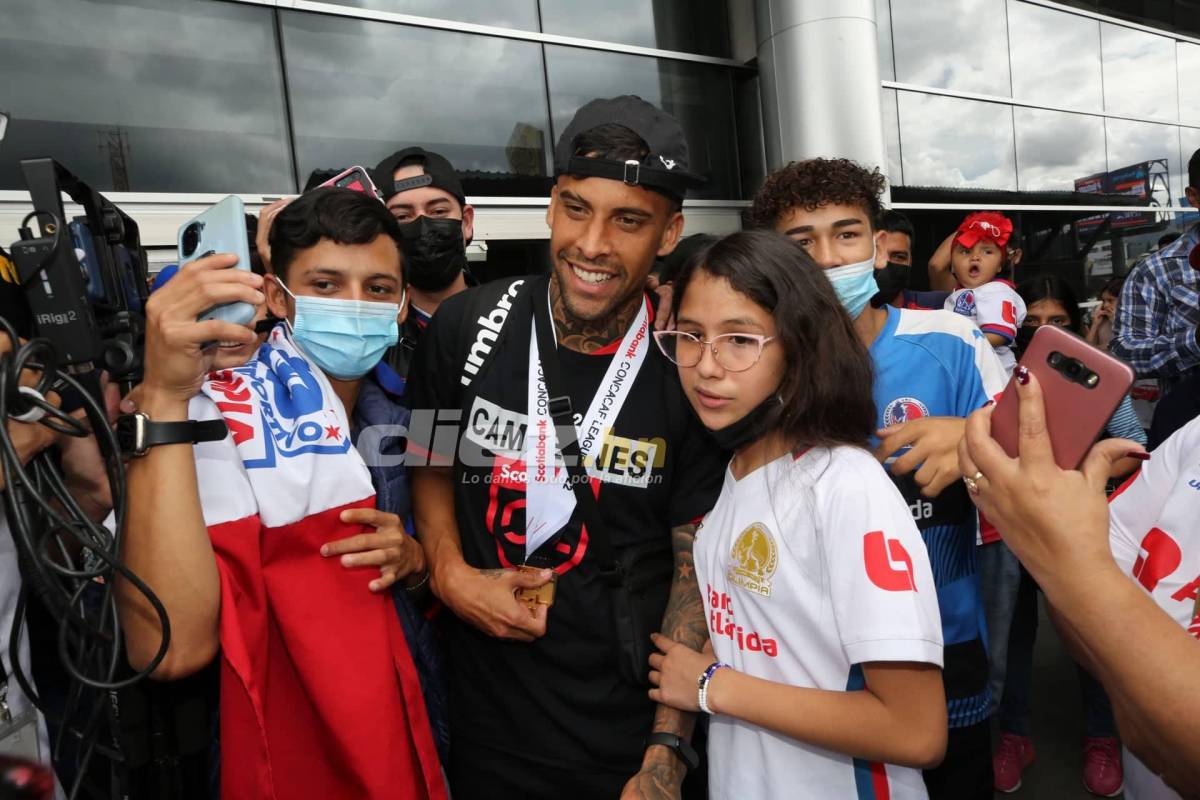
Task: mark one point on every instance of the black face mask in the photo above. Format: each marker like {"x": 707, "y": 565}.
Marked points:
{"x": 892, "y": 280}
{"x": 434, "y": 252}
{"x": 748, "y": 428}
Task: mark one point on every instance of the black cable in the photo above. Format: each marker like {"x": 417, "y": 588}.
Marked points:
{"x": 67, "y": 560}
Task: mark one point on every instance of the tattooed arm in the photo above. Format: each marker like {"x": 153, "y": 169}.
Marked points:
{"x": 662, "y": 772}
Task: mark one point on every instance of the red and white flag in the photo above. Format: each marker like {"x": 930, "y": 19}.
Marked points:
{"x": 319, "y": 694}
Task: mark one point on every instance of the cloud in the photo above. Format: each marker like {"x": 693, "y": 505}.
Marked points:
{"x": 1139, "y": 72}
{"x": 964, "y": 48}
{"x": 1055, "y": 57}
{"x": 1134, "y": 142}
{"x": 956, "y": 143}
{"x": 1056, "y": 148}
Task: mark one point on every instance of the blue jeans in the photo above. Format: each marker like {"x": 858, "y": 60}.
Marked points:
{"x": 1015, "y": 705}
{"x": 999, "y": 579}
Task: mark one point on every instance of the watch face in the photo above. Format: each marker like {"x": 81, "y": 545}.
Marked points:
{"x": 127, "y": 433}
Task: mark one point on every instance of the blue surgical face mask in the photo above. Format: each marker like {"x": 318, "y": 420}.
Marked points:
{"x": 855, "y": 284}
{"x": 345, "y": 338}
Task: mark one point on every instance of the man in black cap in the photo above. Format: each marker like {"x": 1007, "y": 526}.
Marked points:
{"x": 423, "y": 192}
{"x": 549, "y": 698}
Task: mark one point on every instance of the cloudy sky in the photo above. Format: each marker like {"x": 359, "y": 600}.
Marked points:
{"x": 198, "y": 95}
{"x": 1056, "y": 58}
{"x": 1139, "y": 73}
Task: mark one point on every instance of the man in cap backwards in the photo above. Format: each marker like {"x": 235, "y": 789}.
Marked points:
{"x": 423, "y": 192}
{"x": 539, "y": 705}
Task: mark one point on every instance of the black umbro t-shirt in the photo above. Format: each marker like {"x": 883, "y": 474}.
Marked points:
{"x": 557, "y": 701}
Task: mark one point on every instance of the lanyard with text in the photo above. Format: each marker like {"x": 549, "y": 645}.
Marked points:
{"x": 549, "y": 500}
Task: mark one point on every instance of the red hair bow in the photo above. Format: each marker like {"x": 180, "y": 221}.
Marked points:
{"x": 984, "y": 225}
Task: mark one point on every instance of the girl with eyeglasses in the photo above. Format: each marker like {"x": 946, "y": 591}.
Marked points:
{"x": 823, "y": 671}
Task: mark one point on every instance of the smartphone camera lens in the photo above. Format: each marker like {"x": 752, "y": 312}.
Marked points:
{"x": 1055, "y": 359}
{"x": 1073, "y": 368}
{"x": 191, "y": 239}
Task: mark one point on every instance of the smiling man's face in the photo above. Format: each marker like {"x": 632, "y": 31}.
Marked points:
{"x": 604, "y": 235}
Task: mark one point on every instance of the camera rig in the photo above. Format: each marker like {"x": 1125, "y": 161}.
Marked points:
{"x": 83, "y": 285}
{"x": 85, "y": 279}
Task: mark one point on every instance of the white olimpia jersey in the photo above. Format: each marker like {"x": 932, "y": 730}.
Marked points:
{"x": 1155, "y": 540}
{"x": 811, "y": 566}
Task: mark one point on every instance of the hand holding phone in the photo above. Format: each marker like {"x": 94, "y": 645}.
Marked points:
{"x": 220, "y": 229}
{"x": 1082, "y": 386}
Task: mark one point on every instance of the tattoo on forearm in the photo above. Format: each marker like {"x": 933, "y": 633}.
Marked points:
{"x": 684, "y": 617}
{"x": 684, "y": 622}
{"x": 587, "y": 336}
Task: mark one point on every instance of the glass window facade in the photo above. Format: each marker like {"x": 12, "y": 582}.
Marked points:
{"x": 1104, "y": 84}
{"x": 691, "y": 26}
{"x": 1072, "y": 77}
{"x": 1188, "y": 56}
{"x": 145, "y": 95}
{"x": 1139, "y": 72}
{"x": 1189, "y": 143}
{"x": 1131, "y": 142}
{"x": 963, "y": 46}
{"x": 891, "y": 137}
{"x": 520, "y": 14}
{"x": 700, "y": 96}
{"x": 1177, "y": 16}
{"x": 216, "y": 96}
{"x": 356, "y": 97}
{"x": 883, "y": 24}
{"x": 1054, "y": 148}
{"x": 947, "y": 141}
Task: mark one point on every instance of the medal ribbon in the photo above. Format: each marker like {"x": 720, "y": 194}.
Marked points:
{"x": 549, "y": 498}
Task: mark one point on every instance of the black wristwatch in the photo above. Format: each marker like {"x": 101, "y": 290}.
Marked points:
{"x": 137, "y": 433}
{"x": 680, "y": 746}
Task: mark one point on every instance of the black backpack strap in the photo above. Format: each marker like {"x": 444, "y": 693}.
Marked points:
{"x": 564, "y": 428}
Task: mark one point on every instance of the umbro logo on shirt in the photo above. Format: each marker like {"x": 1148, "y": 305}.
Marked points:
{"x": 487, "y": 333}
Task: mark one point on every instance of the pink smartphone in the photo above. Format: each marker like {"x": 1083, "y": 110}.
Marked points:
{"x": 1082, "y": 387}
{"x": 356, "y": 179}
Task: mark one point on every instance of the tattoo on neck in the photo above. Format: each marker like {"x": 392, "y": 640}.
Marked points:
{"x": 587, "y": 336}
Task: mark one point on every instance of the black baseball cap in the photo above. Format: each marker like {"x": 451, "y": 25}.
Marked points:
{"x": 665, "y": 167}
{"x": 439, "y": 173}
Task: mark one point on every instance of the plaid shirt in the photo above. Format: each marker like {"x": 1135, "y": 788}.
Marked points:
{"x": 1159, "y": 312}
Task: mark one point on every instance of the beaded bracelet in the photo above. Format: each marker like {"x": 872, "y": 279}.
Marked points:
{"x": 702, "y": 684}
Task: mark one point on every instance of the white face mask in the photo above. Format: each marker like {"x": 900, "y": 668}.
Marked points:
{"x": 855, "y": 284}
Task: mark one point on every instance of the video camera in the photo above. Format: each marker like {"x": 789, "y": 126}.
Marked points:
{"x": 84, "y": 279}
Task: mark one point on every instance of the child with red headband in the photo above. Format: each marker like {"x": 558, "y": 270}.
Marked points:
{"x": 978, "y": 259}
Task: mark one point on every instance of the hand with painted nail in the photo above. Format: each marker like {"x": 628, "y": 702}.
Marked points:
{"x": 390, "y": 548}
{"x": 1048, "y": 516}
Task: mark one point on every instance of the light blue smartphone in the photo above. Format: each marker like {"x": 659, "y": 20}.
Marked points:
{"x": 220, "y": 229}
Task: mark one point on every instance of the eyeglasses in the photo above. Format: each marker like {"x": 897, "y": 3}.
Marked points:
{"x": 735, "y": 352}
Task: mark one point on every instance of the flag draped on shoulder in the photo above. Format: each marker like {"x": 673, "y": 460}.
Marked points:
{"x": 319, "y": 695}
